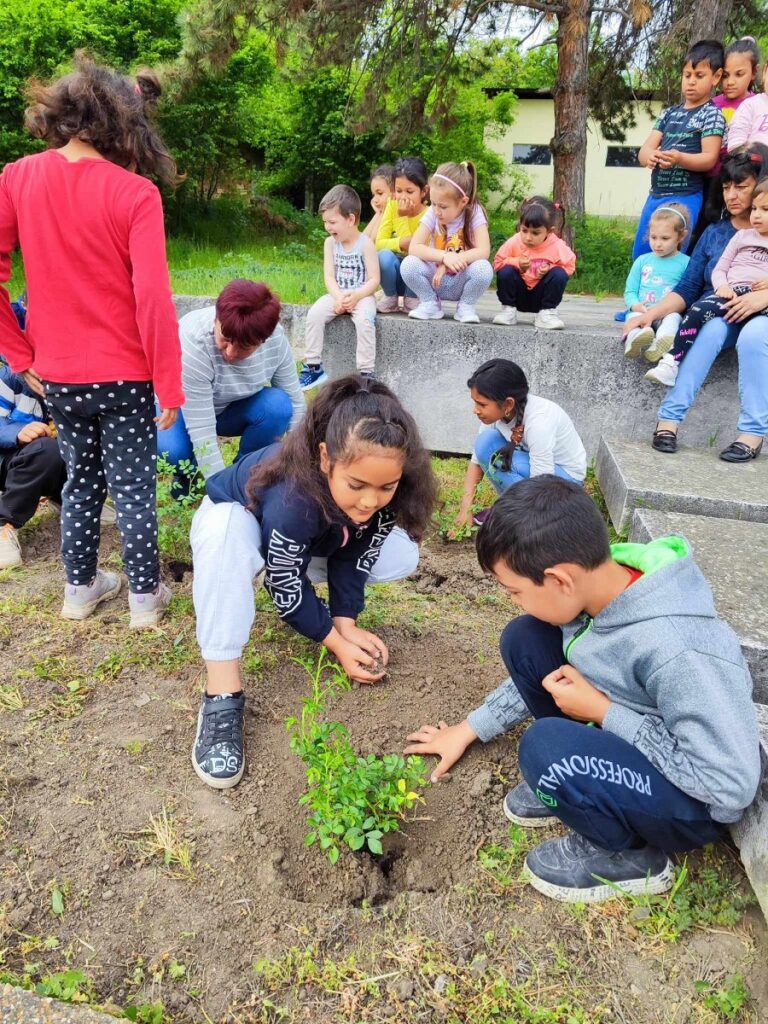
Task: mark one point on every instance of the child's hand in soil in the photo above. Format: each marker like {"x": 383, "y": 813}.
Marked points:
{"x": 447, "y": 741}
{"x": 362, "y": 655}
{"x": 576, "y": 696}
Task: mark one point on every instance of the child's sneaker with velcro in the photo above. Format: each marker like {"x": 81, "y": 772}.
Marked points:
{"x": 81, "y": 601}
{"x": 148, "y": 609}
{"x": 573, "y": 870}
{"x": 312, "y": 376}
{"x": 664, "y": 372}
{"x": 522, "y": 806}
{"x": 217, "y": 756}
{"x": 636, "y": 341}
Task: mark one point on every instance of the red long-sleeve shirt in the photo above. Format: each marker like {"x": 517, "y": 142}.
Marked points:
{"x": 99, "y": 295}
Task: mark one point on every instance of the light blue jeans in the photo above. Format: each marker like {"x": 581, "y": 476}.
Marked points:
{"x": 751, "y": 342}
{"x": 486, "y": 446}
{"x": 392, "y": 282}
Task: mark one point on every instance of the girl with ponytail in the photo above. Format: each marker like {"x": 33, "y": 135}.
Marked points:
{"x": 344, "y": 499}
{"x": 522, "y": 436}
{"x": 448, "y": 252}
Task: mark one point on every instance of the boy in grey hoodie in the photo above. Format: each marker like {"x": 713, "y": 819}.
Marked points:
{"x": 624, "y": 637}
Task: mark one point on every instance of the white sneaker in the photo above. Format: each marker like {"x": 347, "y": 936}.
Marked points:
{"x": 10, "y": 548}
{"x": 466, "y": 314}
{"x": 507, "y": 317}
{"x": 659, "y": 347}
{"x": 636, "y": 341}
{"x": 82, "y": 601}
{"x": 389, "y": 304}
{"x": 148, "y": 609}
{"x": 664, "y": 372}
{"x": 548, "y": 320}
{"x": 427, "y": 311}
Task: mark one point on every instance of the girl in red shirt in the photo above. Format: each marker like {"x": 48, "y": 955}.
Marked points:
{"x": 101, "y": 337}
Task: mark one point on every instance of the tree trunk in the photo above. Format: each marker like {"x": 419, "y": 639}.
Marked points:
{"x": 569, "y": 143}
{"x": 710, "y": 19}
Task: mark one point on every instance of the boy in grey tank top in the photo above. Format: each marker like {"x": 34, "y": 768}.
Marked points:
{"x": 351, "y": 270}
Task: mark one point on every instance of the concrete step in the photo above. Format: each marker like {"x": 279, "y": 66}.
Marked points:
{"x": 582, "y": 368}
{"x": 694, "y": 480}
{"x": 751, "y": 833}
{"x": 732, "y": 554}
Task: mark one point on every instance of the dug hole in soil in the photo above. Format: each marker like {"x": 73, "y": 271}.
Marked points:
{"x": 76, "y": 800}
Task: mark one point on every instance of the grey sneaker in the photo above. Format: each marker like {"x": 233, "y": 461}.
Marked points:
{"x": 10, "y": 548}
{"x": 82, "y": 601}
{"x": 522, "y": 806}
{"x": 147, "y": 609}
{"x": 217, "y": 755}
{"x": 573, "y": 870}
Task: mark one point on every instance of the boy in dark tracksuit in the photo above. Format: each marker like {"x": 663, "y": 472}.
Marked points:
{"x": 645, "y": 738}
{"x": 31, "y": 466}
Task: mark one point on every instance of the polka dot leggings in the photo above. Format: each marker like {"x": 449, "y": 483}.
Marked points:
{"x": 107, "y": 436}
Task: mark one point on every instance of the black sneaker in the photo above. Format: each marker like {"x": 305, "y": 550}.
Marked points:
{"x": 217, "y": 755}
{"x": 522, "y": 806}
{"x": 573, "y": 870}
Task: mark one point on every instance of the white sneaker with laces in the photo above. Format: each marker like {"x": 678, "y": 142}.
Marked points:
{"x": 427, "y": 311}
{"x": 507, "y": 317}
{"x": 548, "y": 320}
{"x": 466, "y": 314}
{"x": 10, "y": 548}
{"x": 148, "y": 609}
{"x": 664, "y": 372}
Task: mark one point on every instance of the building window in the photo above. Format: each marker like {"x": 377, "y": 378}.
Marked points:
{"x": 622, "y": 156}
{"x": 535, "y": 154}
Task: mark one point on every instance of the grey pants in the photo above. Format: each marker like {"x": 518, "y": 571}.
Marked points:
{"x": 466, "y": 287}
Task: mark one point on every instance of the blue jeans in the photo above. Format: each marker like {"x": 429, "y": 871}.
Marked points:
{"x": 486, "y": 446}
{"x": 693, "y": 204}
{"x": 257, "y": 420}
{"x": 596, "y": 783}
{"x": 751, "y": 342}
{"x": 392, "y": 282}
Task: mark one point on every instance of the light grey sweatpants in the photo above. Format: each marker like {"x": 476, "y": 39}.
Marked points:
{"x": 364, "y": 319}
{"x": 227, "y": 557}
{"x": 466, "y": 287}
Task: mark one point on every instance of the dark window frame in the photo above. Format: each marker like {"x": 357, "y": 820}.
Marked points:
{"x": 537, "y": 154}
{"x": 622, "y": 156}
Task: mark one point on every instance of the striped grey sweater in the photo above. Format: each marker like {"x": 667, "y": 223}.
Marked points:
{"x": 211, "y": 384}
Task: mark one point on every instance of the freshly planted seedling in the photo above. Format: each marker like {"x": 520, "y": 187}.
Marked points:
{"x": 353, "y": 800}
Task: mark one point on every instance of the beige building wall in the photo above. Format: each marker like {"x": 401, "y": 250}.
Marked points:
{"x": 610, "y": 191}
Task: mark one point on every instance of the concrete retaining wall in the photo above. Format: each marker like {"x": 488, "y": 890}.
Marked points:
{"x": 427, "y": 365}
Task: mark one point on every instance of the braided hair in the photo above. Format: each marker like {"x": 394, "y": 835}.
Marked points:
{"x": 500, "y": 380}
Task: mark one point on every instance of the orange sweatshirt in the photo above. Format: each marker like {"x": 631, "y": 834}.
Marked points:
{"x": 554, "y": 251}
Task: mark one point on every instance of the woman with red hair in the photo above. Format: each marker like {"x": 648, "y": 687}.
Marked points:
{"x": 239, "y": 378}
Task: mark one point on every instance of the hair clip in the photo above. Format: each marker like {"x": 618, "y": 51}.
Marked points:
{"x": 557, "y": 206}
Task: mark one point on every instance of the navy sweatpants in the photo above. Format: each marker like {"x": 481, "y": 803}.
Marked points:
{"x": 547, "y": 294}
{"x": 596, "y": 783}
{"x": 107, "y": 435}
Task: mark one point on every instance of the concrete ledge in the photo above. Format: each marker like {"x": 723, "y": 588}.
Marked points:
{"x": 751, "y": 833}
{"x": 694, "y": 480}
{"x": 726, "y": 551}
{"x": 581, "y": 368}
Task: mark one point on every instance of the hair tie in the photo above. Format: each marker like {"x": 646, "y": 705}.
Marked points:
{"x": 451, "y": 182}
{"x": 137, "y": 89}
{"x": 671, "y": 209}
{"x": 364, "y": 386}
{"x": 557, "y": 206}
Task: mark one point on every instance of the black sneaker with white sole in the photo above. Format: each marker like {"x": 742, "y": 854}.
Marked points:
{"x": 522, "y": 806}
{"x": 573, "y": 870}
{"x": 217, "y": 755}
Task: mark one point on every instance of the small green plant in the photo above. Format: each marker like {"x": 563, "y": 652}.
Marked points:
{"x": 353, "y": 800}
{"x": 726, "y": 1000}
{"x": 503, "y": 863}
{"x": 10, "y": 697}
{"x": 176, "y": 505}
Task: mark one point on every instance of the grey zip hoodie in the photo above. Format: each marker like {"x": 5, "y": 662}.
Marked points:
{"x": 680, "y": 687}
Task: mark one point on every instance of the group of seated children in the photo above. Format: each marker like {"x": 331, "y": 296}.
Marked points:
{"x": 685, "y": 152}
{"x": 428, "y": 242}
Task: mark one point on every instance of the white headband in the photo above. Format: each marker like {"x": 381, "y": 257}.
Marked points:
{"x": 451, "y": 182}
{"x": 671, "y": 209}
